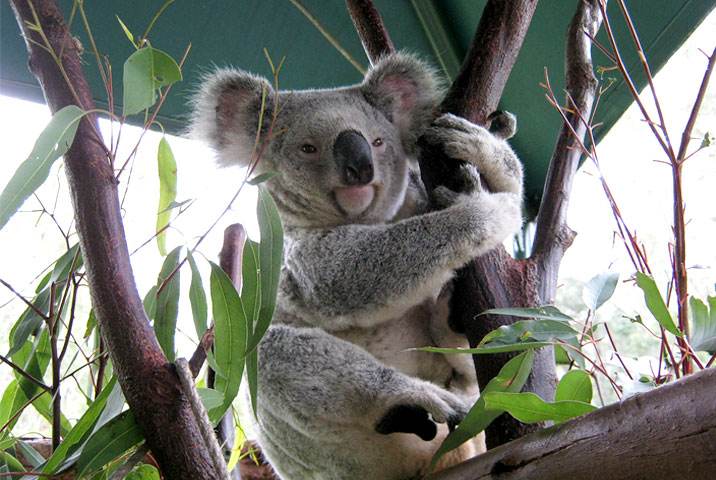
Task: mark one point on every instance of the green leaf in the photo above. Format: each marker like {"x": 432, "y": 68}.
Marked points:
{"x": 655, "y": 303}
{"x": 599, "y": 289}
{"x": 262, "y": 178}
{"x": 8, "y": 404}
{"x": 14, "y": 465}
{"x": 109, "y": 442}
{"x": 53, "y": 142}
{"x": 251, "y": 301}
{"x": 230, "y": 337}
{"x": 270, "y": 260}
{"x": 150, "y": 302}
{"x": 212, "y": 399}
{"x": 529, "y": 330}
{"x": 126, "y": 31}
{"x": 145, "y": 71}
{"x": 575, "y": 385}
{"x": 143, "y": 472}
{"x": 28, "y": 453}
{"x": 547, "y": 312}
{"x": 81, "y": 430}
{"x": 703, "y": 325}
{"x": 29, "y": 322}
{"x": 167, "y": 168}
{"x": 511, "y": 378}
{"x": 167, "y": 309}
{"x": 91, "y": 324}
{"x": 487, "y": 350}
{"x": 530, "y": 408}
{"x": 197, "y": 298}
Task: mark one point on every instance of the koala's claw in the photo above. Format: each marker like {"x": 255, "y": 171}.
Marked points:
{"x": 443, "y": 197}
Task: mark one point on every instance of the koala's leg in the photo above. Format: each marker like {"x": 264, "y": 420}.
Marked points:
{"x": 493, "y": 157}
{"x": 328, "y": 409}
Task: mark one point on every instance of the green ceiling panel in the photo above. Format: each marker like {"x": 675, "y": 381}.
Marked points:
{"x": 236, "y": 32}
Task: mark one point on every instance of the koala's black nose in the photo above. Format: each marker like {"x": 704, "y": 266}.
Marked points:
{"x": 354, "y": 158}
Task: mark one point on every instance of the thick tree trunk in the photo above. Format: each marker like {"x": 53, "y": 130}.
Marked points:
{"x": 149, "y": 382}
{"x": 667, "y": 433}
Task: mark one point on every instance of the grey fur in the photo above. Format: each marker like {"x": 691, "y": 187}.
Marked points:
{"x": 361, "y": 288}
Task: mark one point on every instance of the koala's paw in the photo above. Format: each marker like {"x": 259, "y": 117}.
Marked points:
{"x": 503, "y": 124}
{"x": 461, "y": 139}
{"x": 418, "y": 410}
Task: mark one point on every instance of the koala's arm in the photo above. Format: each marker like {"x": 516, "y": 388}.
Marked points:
{"x": 315, "y": 381}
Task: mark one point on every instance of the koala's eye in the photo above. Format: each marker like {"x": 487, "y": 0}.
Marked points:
{"x": 378, "y": 142}
{"x": 308, "y": 148}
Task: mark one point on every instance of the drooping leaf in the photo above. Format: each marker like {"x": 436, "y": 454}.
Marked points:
{"x": 91, "y": 324}
{"x": 29, "y": 322}
{"x": 655, "y": 303}
{"x": 270, "y": 260}
{"x": 167, "y": 308}
{"x": 53, "y": 142}
{"x": 109, "y": 442}
{"x": 167, "y": 169}
{"x": 8, "y": 405}
{"x": 197, "y": 298}
{"x": 230, "y": 339}
{"x": 703, "y": 325}
{"x": 13, "y": 464}
{"x": 574, "y": 385}
{"x": 530, "y": 408}
{"x": 599, "y": 289}
{"x": 145, "y": 71}
{"x": 547, "y": 312}
{"x": 511, "y": 378}
{"x": 251, "y": 301}
{"x": 28, "y": 453}
{"x": 80, "y": 431}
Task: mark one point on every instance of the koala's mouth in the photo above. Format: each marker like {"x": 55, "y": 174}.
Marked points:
{"x": 354, "y": 200}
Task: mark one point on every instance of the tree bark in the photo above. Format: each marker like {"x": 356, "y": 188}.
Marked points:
{"x": 149, "y": 382}
{"x": 669, "y": 433}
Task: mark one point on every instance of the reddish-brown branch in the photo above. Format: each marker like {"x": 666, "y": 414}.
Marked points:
{"x": 149, "y": 382}
{"x": 373, "y": 35}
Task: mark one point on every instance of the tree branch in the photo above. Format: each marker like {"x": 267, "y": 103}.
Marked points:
{"x": 677, "y": 415}
{"x": 149, "y": 383}
{"x": 371, "y": 30}
{"x": 552, "y": 235}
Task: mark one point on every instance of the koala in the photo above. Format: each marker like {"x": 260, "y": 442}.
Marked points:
{"x": 367, "y": 264}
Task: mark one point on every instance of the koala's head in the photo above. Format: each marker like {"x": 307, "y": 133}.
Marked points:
{"x": 342, "y": 155}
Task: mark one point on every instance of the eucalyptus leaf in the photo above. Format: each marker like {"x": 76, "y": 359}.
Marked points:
{"x": 547, "y": 312}
{"x": 108, "y": 443}
{"x": 212, "y": 399}
{"x": 53, "y": 142}
{"x": 655, "y": 303}
{"x": 197, "y": 298}
{"x": 530, "y": 408}
{"x": 145, "y": 71}
{"x": 126, "y": 31}
{"x": 703, "y": 325}
{"x": 575, "y": 385}
{"x": 511, "y": 378}
{"x": 167, "y": 171}
{"x": 80, "y": 431}
{"x": 144, "y": 472}
{"x": 167, "y": 307}
{"x": 270, "y": 260}
{"x": 258, "y": 179}
{"x": 230, "y": 337}
{"x": 599, "y": 289}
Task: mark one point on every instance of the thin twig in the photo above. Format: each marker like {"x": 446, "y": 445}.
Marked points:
{"x": 39, "y": 312}
{"x": 26, "y": 375}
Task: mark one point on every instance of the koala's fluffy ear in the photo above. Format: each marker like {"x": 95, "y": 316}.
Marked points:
{"x": 406, "y": 90}
{"x": 226, "y": 115}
